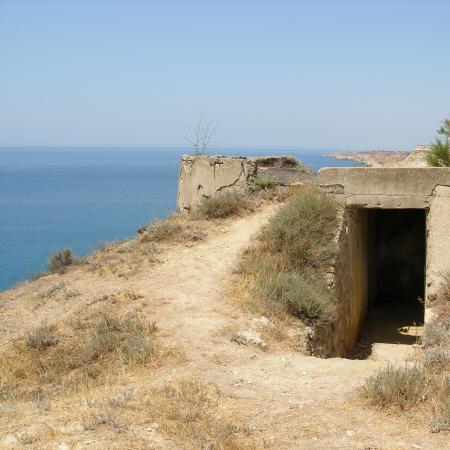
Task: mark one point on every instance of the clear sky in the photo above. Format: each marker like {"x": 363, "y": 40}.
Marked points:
{"x": 279, "y": 73}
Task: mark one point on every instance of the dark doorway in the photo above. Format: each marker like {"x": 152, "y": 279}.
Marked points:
{"x": 396, "y": 264}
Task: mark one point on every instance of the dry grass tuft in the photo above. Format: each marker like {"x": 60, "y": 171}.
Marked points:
{"x": 41, "y": 337}
{"x": 196, "y": 415}
{"x": 176, "y": 228}
{"x": 126, "y": 258}
{"x": 122, "y": 259}
{"x": 398, "y": 387}
{"x": 46, "y": 362}
{"x": 264, "y": 182}
{"x": 223, "y": 205}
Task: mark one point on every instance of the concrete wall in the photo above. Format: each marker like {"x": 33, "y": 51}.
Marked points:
{"x": 438, "y": 245}
{"x": 204, "y": 176}
{"x": 350, "y": 280}
{"x": 368, "y": 187}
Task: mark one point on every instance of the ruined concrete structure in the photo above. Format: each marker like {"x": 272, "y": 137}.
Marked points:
{"x": 393, "y": 239}
{"x": 204, "y": 176}
{"x": 394, "y": 247}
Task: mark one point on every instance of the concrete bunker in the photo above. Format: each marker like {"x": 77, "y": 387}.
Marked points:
{"x": 393, "y": 251}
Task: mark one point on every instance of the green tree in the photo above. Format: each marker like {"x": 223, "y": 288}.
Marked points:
{"x": 444, "y": 130}
{"x": 439, "y": 155}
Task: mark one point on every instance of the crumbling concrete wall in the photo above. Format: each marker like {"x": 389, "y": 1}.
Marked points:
{"x": 204, "y": 176}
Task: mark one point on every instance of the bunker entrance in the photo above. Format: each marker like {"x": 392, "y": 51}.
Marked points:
{"x": 396, "y": 275}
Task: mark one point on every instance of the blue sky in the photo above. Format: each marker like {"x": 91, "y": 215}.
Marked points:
{"x": 287, "y": 74}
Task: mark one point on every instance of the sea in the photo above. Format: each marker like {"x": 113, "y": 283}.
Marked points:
{"x": 52, "y": 198}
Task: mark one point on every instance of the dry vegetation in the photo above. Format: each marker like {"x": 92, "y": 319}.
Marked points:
{"x": 223, "y": 205}
{"x": 126, "y": 258}
{"x": 94, "y": 347}
{"x": 284, "y": 272}
{"x": 57, "y": 358}
{"x": 195, "y": 414}
{"x": 428, "y": 383}
{"x": 60, "y": 261}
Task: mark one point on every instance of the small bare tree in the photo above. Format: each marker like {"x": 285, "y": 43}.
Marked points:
{"x": 201, "y": 136}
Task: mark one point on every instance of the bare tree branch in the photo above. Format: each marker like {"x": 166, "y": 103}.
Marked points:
{"x": 201, "y": 136}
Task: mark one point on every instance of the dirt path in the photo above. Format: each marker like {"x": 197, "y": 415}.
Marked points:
{"x": 294, "y": 401}
{"x": 291, "y": 401}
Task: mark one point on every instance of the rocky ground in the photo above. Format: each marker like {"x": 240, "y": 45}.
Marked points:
{"x": 288, "y": 400}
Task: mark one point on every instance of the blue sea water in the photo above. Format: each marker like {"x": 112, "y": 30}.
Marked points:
{"x": 52, "y": 198}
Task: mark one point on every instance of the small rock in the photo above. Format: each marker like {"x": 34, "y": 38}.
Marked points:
{"x": 417, "y": 446}
{"x": 263, "y": 322}
{"x": 63, "y": 446}
{"x": 349, "y": 433}
{"x": 249, "y": 337}
{"x": 10, "y": 439}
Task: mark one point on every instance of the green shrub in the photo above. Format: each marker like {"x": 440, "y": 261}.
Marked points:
{"x": 303, "y": 231}
{"x": 285, "y": 271}
{"x": 303, "y": 297}
{"x": 264, "y": 182}
{"x": 60, "y": 261}
{"x": 222, "y": 205}
{"x": 398, "y": 387}
{"x": 129, "y": 337}
{"x": 439, "y": 155}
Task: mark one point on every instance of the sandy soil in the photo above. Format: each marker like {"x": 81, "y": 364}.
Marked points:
{"x": 290, "y": 401}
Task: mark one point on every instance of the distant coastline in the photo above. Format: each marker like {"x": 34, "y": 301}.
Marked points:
{"x": 371, "y": 158}
{"x": 415, "y": 158}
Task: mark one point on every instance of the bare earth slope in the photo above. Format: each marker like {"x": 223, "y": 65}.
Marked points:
{"x": 290, "y": 401}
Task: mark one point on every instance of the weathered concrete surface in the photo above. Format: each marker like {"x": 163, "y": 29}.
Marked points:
{"x": 438, "y": 244}
{"x": 368, "y": 187}
{"x": 203, "y": 176}
{"x": 350, "y": 280}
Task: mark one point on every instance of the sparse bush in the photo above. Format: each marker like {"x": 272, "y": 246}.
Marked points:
{"x": 285, "y": 271}
{"x": 302, "y": 297}
{"x": 303, "y": 231}
{"x": 222, "y": 205}
{"x": 60, "y": 261}
{"x": 129, "y": 337}
{"x": 41, "y": 337}
{"x": 398, "y": 387}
